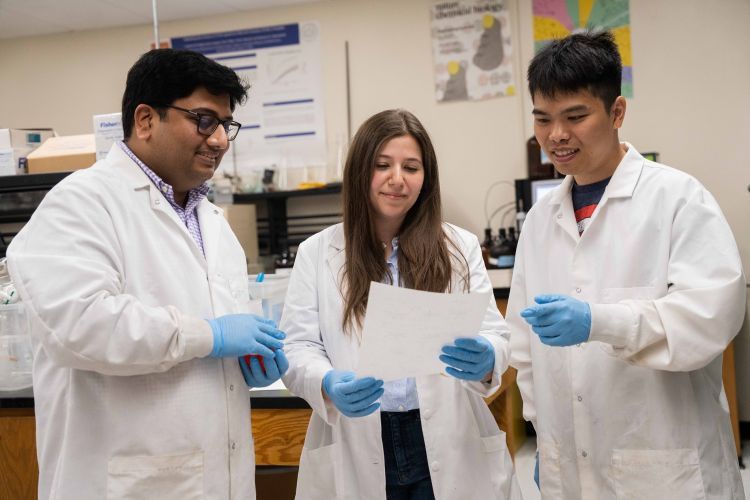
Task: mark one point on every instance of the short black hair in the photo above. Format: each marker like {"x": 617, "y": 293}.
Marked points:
{"x": 161, "y": 76}
{"x": 588, "y": 60}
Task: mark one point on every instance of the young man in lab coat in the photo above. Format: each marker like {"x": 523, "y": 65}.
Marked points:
{"x": 626, "y": 290}
{"x": 137, "y": 294}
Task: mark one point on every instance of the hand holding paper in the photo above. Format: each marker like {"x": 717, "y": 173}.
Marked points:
{"x": 404, "y": 330}
{"x": 469, "y": 358}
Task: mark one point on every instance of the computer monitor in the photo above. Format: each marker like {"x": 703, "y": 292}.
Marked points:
{"x": 529, "y": 191}
{"x": 541, "y": 187}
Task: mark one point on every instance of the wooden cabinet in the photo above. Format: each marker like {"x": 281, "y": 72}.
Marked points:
{"x": 18, "y": 468}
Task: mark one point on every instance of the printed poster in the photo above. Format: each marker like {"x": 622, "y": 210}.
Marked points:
{"x": 283, "y": 121}
{"x": 472, "y": 50}
{"x": 558, "y": 18}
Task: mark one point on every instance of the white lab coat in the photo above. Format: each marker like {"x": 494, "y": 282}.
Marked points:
{"x": 127, "y": 404}
{"x": 638, "y": 411}
{"x": 343, "y": 457}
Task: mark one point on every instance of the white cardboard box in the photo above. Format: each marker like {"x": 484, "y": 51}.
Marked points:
{"x": 16, "y": 143}
{"x": 107, "y": 131}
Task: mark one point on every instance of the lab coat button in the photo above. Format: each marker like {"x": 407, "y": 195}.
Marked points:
{"x": 559, "y": 216}
{"x": 231, "y": 387}
{"x": 234, "y": 445}
{"x": 157, "y": 202}
{"x": 584, "y": 454}
{"x": 578, "y": 290}
{"x": 435, "y": 466}
{"x": 580, "y": 398}
{"x": 426, "y": 414}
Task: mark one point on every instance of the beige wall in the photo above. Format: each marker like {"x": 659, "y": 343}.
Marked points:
{"x": 691, "y": 73}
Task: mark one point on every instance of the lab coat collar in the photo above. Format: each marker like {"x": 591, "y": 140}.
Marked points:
{"x": 622, "y": 184}
{"x": 627, "y": 173}
{"x": 335, "y": 254}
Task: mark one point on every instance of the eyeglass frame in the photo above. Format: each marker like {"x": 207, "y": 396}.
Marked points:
{"x": 224, "y": 123}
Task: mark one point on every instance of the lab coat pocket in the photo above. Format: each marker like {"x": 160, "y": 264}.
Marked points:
{"x": 239, "y": 291}
{"x": 317, "y": 474}
{"x": 657, "y": 474}
{"x": 500, "y": 467}
{"x": 178, "y": 477}
{"x": 550, "y": 476}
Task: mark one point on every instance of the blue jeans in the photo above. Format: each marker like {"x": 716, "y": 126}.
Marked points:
{"x": 407, "y": 475}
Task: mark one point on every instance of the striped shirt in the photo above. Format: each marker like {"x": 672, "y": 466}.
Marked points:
{"x": 585, "y": 200}
{"x": 189, "y": 214}
{"x": 398, "y": 395}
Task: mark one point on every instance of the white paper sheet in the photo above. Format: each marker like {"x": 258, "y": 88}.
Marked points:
{"x": 405, "y": 329}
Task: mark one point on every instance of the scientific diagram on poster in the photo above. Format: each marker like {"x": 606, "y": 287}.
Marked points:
{"x": 558, "y": 18}
{"x": 472, "y": 50}
{"x": 283, "y": 122}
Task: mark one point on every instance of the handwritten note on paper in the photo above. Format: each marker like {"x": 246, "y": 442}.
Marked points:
{"x": 405, "y": 329}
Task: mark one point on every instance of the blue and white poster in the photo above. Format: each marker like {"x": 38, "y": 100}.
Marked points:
{"x": 283, "y": 122}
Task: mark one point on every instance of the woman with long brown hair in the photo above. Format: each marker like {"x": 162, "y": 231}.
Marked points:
{"x": 415, "y": 438}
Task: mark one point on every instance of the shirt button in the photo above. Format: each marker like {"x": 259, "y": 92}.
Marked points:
{"x": 401, "y": 408}
{"x": 435, "y": 466}
{"x": 164, "y": 189}
{"x": 584, "y": 454}
{"x": 578, "y": 290}
{"x": 580, "y": 398}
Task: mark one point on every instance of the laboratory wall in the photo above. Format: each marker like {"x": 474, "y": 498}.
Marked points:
{"x": 691, "y": 62}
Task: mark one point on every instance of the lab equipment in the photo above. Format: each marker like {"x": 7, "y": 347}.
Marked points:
{"x": 559, "y": 320}
{"x": 354, "y": 397}
{"x": 271, "y": 291}
{"x": 258, "y": 374}
{"x": 261, "y": 276}
{"x": 469, "y": 358}
{"x": 16, "y": 355}
{"x": 239, "y": 334}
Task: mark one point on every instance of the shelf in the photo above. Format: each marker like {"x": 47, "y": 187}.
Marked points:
{"x": 278, "y": 230}
{"x": 242, "y": 198}
{"x": 30, "y": 182}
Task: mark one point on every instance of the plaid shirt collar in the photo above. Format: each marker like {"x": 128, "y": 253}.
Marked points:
{"x": 194, "y": 196}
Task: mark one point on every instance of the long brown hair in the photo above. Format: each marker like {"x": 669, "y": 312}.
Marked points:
{"x": 425, "y": 261}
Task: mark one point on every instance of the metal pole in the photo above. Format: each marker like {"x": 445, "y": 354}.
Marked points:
{"x": 156, "y": 24}
{"x": 348, "y": 96}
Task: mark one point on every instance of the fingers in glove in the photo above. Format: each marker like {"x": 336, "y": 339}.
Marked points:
{"x": 269, "y": 341}
{"x": 472, "y": 344}
{"x": 463, "y": 354}
{"x": 281, "y": 362}
{"x": 363, "y": 412}
{"x": 360, "y": 384}
{"x": 472, "y": 368}
{"x": 464, "y": 375}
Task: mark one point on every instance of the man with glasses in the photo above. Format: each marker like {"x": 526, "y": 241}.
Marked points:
{"x": 137, "y": 297}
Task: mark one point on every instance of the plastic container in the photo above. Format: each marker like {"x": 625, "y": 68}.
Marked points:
{"x": 16, "y": 355}
{"x": 271, "y": 292}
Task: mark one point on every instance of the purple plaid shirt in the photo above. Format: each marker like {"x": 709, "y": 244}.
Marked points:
{"x": 189, "y": 214}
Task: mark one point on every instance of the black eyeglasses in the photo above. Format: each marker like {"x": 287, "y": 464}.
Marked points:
{"x": 207, "y": 124}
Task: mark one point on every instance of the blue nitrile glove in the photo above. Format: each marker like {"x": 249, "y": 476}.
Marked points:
{"x": 256, "y": 376}
{"x": 239, "y": 334}
{"x": 536, "y": 470}
{"x": 559, "y": 320}
{"x": 469, "y": 358}
{"x": 354, "y": 397}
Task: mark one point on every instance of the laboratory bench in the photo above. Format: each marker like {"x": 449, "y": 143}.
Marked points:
{"x": 279, "y": 423}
